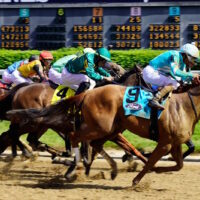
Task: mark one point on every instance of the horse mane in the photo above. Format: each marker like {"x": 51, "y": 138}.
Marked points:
{"x": 134, "y": 70}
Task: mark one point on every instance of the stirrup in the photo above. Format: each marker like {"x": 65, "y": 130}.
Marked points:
{"x": 155, "y": 104}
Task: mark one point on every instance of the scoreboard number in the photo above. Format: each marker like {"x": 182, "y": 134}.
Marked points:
{"x": 97, "y": 12}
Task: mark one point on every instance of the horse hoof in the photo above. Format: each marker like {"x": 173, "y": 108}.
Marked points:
{"x": 135, "y": 182}
{"x": 27, "y": 154}
{"x": 113, "y": 175}
{"x": 67, "y": 154}
{"x": 70, "y": 178}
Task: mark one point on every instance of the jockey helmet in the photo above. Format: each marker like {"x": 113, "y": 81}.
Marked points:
{"x": 104, "y": 53}
{"x": 46, "y": 55}
{"x": 33, "y": 57}
{"x": 190, "y": 50}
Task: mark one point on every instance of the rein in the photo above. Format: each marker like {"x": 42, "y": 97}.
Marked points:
{"x": 190, "y": 94}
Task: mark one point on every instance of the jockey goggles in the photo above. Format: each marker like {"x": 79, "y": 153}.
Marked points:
{"x": 192, "y": 60}
{"x": 48, "y": 61}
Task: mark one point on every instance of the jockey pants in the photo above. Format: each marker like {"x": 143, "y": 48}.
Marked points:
{"x": 74, "y": 80}
{"x": 17, "y": 78}
{"x": 55, "y": 76}
{"x": 152, "y": 76}
{"x": 7, "y": 77}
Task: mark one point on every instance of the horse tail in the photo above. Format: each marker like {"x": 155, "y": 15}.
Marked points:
{"x": 62, "y": 107}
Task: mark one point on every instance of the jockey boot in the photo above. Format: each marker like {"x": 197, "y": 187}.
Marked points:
{"x": 82, "y": 87}
{"x": 154, "y": 103}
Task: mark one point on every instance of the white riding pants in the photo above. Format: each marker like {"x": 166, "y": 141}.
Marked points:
{"x": 74, "y": 80}
{"x": 153, "y": 77}
{"x": 55, "y": 76}
{"x": 17, "y": 78}
{"x": 6, "y": 76}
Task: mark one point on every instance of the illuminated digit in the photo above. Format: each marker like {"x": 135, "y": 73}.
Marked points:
{"x": 138, "y": 19}
{"x": 195, "y": 27}
{"x": 100, "y": 44}
{"x": 117, "y": 36}
{"x": 138, "y": 28}
{"x": 151, "y": 27}
{"x": 177, "y": 27}
{"x": 151, "y": 36}
{"x": 75, "y": 28}
{"x": 177, "y": 19}
{"x": 131, "y": 19}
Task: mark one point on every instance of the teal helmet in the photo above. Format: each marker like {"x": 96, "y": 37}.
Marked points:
{"x": 104, "y": 53}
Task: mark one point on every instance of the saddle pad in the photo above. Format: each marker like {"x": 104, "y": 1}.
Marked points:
{"x": 135, "y": 102}
{"x": 62, "y": 92}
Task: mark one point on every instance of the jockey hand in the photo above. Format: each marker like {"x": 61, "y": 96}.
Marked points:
{"x": 196, "y": 79}
{"x": 109, "y": 79}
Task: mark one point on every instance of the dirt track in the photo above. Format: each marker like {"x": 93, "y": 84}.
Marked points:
{"x": 42, "y": 180}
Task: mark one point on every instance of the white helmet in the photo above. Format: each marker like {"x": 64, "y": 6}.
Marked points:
{"x": 88, "y": 50}
{"x": 191, "y": 50}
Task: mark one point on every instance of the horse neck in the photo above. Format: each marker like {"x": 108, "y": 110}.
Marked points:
{"x": 193, "y": 98}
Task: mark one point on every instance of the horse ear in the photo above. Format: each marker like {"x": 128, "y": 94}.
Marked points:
{"x": 138, "y": 67}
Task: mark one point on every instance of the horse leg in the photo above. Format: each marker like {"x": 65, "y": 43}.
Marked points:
{"x": 98, "y": 147}
{"x": 65, "y": 137}
{"x": 68, "y": 152}
{"x": 5, "y": 141}
{"x": 159, "y": 151}
{"x": 26, "y": 150}
{"x": 14, "y": 149}
{"x": 111, "y": 162}
{"x": 129, "y": 148}
{"x": 33, "y": 139}
{"x": 15, "y": 139}
{"x": 70, "y": 175}
{"x": 191, "y": 147}
{"x": 176, "y": 152}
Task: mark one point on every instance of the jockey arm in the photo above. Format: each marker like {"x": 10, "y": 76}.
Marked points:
{"x": 175, "y": 71}
{"x": 38, "y": 72}
{"x": 92, "y": 74}
{"x": 90, "y": 70}
{"x": 103, "y": 72}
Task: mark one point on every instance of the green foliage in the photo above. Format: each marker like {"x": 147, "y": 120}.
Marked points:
{"x": 126, "y": 58}
{"x": 130, "y": 58}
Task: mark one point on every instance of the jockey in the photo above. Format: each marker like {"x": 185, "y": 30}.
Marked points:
{"x": 30, "y": 69}
{"x": 7, "y": 74}
{"x": 81, "y": 72}
{"x": 163, "y": 70}
{"x": 57, "y": 67}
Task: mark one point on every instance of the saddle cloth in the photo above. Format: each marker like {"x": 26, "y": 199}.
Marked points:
{"x": 62, "y": 92}
{"x": 136, "y": 101}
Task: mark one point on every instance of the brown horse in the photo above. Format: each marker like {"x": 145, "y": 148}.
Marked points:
{"x": 104, "y": 118}
{"x": 39, "y": 96}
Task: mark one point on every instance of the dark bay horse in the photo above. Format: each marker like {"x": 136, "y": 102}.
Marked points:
{"x": 6, "y": 98}
{"x": 104, "y": 118}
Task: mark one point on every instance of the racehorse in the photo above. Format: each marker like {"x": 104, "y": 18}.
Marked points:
{"x": 6, "y": 97}
{"x": 39, "y": 96}
{"x": 103, "y": 114}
